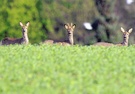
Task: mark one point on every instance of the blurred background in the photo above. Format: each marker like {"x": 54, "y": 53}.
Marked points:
{"x": 96, "y": 20}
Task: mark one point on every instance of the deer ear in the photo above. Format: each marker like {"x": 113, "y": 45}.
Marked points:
{"x": 130, "y": 30}
{"x": 28, "y": 23}
{"x": 74, "y": 25}
{"x": 122, "y": 30}
{"x": 66, "y": 26}
{"x": 21, "y": 24}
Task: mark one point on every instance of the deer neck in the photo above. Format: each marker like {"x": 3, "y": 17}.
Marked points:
{"x": 25, "y": 37}
{"x": 70, "y": 38}
{"x": 125, "y": 41}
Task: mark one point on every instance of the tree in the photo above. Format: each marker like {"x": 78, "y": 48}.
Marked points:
{"x": 20, "y": 10}
{"x": 126, "y": 14}
{"x": 55, "y": 13}
{"x": 106, "y": 19}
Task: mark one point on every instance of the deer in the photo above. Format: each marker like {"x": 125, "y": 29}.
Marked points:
{"x": 125, "y": 39}
{"x": 70, "y": 41}
{"x": 23, "y": 40}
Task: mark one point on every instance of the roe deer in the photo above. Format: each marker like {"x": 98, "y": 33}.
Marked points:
{"x": 23, "y": 40}
{"x": 70, "y": 29}
{"x": 125, "y": 39}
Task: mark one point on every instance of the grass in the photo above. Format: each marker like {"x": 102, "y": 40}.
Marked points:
{"x": 57, "y": 69}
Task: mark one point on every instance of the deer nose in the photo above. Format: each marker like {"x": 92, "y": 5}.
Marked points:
{"x": 69, "y": 33}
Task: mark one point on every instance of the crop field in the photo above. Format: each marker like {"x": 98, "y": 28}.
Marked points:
{"x": 46, "y": 69}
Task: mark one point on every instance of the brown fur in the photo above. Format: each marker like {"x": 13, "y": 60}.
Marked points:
{"x": 124, "y": 43}
{"x": 103, "y": 44}
{"x": 23, "y": 40}
{"x": 70, "y": 28}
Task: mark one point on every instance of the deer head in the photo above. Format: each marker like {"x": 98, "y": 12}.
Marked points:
{"x": 25, "y": 31}
{"x": 70, "y": 28}
{"x": 24, "y": 27}
{"x": 126, "y": 35}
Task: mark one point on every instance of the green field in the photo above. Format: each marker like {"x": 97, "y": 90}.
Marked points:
{"x": 45, "y": 69}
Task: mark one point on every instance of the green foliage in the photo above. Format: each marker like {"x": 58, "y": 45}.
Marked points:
{"x": 48, "y": 16}
{"x": 58, "y": 12}
{"x": 20, "y": 10}
{"x": 67, "y": 70}
{"x": 108, "y": 21}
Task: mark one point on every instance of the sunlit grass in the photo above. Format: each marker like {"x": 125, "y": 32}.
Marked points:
{"x": 45, "y": 69}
